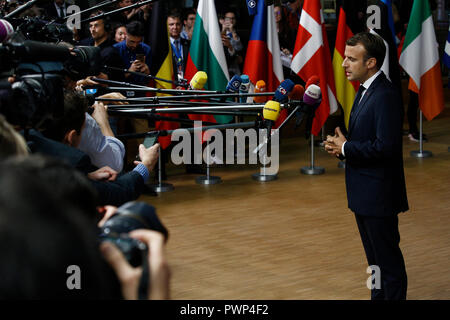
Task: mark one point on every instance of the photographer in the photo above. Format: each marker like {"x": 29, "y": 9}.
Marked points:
{"x": 63, "y": 136}
{"x": 67, "y": 238}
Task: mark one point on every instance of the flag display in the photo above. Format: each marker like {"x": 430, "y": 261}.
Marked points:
{"x": 447, "y": 50}
{"x": 312, "y": 57}
{"x": 345, "y": 89}
{"x": 161, "y": 66}
{"x": 206, "y": 53}
{"x": 263, "y": 61}
{"x": 420, "y": 59}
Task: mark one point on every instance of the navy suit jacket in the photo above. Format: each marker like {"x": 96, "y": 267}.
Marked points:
{"x": 374, "y": 174}
{"x": 127, "y": 187}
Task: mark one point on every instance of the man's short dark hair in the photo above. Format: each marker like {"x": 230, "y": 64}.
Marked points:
{"x": 75, "y": 106}
{"x": 188, "y": 12}
{"x": 135, "y": 28}
{"x": 175, "y": 14}
{"x": 373, "y": 44}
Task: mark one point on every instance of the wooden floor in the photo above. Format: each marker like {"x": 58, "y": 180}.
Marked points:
{"x": 295, "y": 238}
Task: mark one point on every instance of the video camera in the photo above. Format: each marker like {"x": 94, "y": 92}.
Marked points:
{"x": 39, "y": 69}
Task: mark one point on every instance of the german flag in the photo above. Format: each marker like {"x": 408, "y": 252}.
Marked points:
{"x": 161, "y": 63}
{"x": 345, "y": 90}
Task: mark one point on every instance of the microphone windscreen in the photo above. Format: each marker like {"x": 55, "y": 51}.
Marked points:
{"x": 6, "y": 30}
{"x": 312, "y": 95}
{"x": 234, "y": 84}
{"x": 198, "y": 80}
{"x": 259, "y": 88}
{"x": 245, "y": 83}
{"x": 271, "y": 110}
{"x": 297, "y": 93}
{"x": 285, "y": 87}
{"x": 312, "y": 80}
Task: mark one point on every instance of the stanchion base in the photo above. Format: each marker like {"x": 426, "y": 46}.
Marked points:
{"x": 312, "y": 170}
{"x": 341, "y": 164}
{"x": 423, "y": 154}
{"x": 207, "y": 180}
{"x": 264, "y": 177}
{"x": 161, "y": 187}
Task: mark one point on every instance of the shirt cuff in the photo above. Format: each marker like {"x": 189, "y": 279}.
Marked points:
{"x": 143, "y": 171}
{"x": 342, "y": 149}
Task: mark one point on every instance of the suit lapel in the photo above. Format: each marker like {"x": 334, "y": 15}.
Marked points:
{"x": 362, "y": 104}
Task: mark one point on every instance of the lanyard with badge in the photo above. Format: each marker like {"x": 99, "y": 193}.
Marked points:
{"x": 179, "y": 59}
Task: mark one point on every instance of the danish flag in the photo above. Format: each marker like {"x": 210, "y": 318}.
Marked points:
{"x": 312, "y": 57}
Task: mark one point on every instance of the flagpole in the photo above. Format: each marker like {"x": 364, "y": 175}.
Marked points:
{"x": 312, "y": 170}
{"x": 421, "y": 153}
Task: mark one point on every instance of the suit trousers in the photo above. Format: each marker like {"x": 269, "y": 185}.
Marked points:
{"x": 381, "y": 238}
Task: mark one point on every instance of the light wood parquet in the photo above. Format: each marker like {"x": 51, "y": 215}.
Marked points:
{"x": 295, "y": 238}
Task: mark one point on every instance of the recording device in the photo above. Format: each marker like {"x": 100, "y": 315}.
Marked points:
{"x": 271, "y": 111}
{"x": 140, "y": 57}
{"x": 259, "y": 88}
{"x": 311, "y": 100}
{"x": 282, "y": 93}
{"x": 36, "y": 96}
{"x": 128, "y": 217}
{"x": 198, "y": 81}
{"x": 245, "y": 86}
{"x": 234, "y": 84}
{"x": 312, "y": 80}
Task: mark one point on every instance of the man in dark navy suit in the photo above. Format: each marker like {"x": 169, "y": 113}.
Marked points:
{"x": 374, "y": 175}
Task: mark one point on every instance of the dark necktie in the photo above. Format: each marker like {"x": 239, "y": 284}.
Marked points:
{"x": 357, "y": 99}
{"x": 61, "y": 12}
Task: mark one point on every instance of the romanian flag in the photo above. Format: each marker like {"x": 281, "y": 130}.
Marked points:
{"x": 206, "y": 53}
{"x": 312, "y": 57}
{"x": 420, "y": 59}
{"x": 263, "y": 61}
{"x": 345, "y": 89}
{"x": 161, "y": 66}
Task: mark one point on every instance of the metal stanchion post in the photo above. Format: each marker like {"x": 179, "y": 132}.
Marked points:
{"x": 421, "y": 153}
{"x": 160, "y": 186}
{"x": 312, "y": 170}
{"x": 263, "y": 177}
{"x": 207, "y": 180}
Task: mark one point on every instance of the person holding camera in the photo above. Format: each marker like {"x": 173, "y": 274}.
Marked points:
{"x": 231, "y": 42}
{"x": 66, "y": 237}
{"x": 134, "y": 53}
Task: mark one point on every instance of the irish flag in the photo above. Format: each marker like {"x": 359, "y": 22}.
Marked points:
{"x": 420, "y": 59}
{"x": 206, "y": 53}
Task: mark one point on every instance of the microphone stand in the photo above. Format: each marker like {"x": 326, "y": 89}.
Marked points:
{"x": 263, "y": 177}
{"x": 180, "y": 84}
{"x": 312, "y": 170}
{"x": 103, "y": 15}
{"x": 101, "y": 5}
{"x": 21, "y": 9}
{"x": 421, "y": 153}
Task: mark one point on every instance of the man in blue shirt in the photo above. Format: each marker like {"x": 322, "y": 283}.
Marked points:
{"x": 134, "y": 53}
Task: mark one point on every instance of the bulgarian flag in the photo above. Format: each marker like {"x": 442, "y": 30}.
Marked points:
{"x": 206, "y": 54}
{"x": 345, "y": 89}
{"x": 420, "y": 59}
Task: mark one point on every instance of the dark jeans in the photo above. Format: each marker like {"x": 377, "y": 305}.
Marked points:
{"x": 381, "y": 238}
